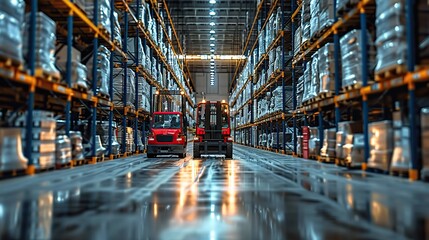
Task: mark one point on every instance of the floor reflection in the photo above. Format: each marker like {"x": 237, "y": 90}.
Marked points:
{"x": 211, "y": 199}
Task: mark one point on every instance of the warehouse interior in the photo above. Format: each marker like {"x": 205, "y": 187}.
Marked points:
{"x": 214, "y": 119}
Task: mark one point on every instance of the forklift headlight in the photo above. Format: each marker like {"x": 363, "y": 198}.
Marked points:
{"x": 229, "y": 139}
{"x": 151, "y": 139}
{"x": 196, "y": 139}
{"x": 179, "y": 139}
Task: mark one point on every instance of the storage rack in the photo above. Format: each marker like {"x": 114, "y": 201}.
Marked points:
{"x": 276, "y": 122}
{"x": 366, "y": 97}
{"x": 72, "y": 21}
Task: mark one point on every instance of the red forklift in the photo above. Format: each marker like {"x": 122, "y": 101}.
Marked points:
{"x": 168, "y": 128}
{"x": 213, "y": 131}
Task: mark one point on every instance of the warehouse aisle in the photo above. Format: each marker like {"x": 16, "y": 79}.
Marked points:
{"x": 259, "y": 195}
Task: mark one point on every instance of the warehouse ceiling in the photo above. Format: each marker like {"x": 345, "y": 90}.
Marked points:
{"x": 232, "y": 21}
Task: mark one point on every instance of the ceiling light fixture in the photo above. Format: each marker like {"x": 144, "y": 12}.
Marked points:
{"x": 212, "y": 12}
{"x": 212, "y": 1}
{"x": 212, "y": 44}
{"x": 212, "y": 50}
{"x": 212, "y": 38}
{"x": 212, "y": 31}
{"x": 212, "y": 67}
{"x": 212, "y": 23}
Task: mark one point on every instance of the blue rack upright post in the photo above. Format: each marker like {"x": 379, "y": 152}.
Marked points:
{"x": 112, "y": 29}
{"x": 69, "y": 69}
{"x": 294, "y": 103}
{"x": 364, "y": 69}
{"x": 30, "y": 102}
{"x": 124, "y": 93}
{"x": 136, "y": 102}
{"x": 94, "y": 87}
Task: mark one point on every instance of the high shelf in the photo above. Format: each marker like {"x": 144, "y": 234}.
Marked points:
{"x": 387, "y": 101}
{"x": 77, "y": 30}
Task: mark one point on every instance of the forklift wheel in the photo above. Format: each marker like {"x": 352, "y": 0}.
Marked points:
{"x": 228, "y": 151}
{"x": 197, "y": 153}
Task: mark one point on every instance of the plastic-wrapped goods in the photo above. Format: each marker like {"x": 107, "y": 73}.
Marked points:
{"x": 79, "y": 74}
{"x": 104, "y": 136}
{"x": 299, "y": 144}
{"x": 327, "y": 68}
{"x": 315, "y": 82}
{"x": 77, "y": 146}
{"x": 132, "y": 42}
{"x": 104, "y": 9}
{"x": 11, "y": 154}
{"x": 345, "y": 129}
{"x": 314, "y": 142}
{"x": 351, "y": 57}
{"x": 140, "y": 144}
{"x": 99, "y": 149}
{"x": 299, "y": 91}
{"x": 424, "y": 119}
{"x": 44, "y": 135}
{"x": 326, "y": 14}
{"x": 314, "y": 20}
{"x": 381, "y": 145}
{"x": 11, "y": 17}
{"x": 342, "y": 4}
{"x": 353, "y": 149}
{"x": 129, "y": 138}
{"x": 44, "y": 44}
{"x": 63, "y": 149}
{"x": 391, "y": 39}
{"x": 117, "y": 30}
{"x": 309, "y": 83}
{"x": 329, "y": 143}
{"x": 118, "y": 87}
{"x": 297, "y": 40}
{"x": 103, "y": 70}
{"x": 401, "y": 152}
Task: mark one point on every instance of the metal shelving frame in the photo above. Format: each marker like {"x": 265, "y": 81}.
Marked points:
{"x": 90, "y": 32}
{"x": 332, "y": 108}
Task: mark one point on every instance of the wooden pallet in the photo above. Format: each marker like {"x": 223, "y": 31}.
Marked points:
{"x": 79, "y": 88}
{"x": 325, "y": 95}
{"x": 325, "y": 159}
{"x": 324, "y": 29}
{"x": 64, "y": 165}
{"x": 399, "y": 172}
{"x": 304, "y": 45}
{"x": 8, "y": 62}
{"x": 117, "y": 43}
{"x": 313, "y": 157}
{"x": 48, "y": 169}
{"x": 376, "y": 170}
{"x": 12, "y": 173}
{"x": 103, "y": 96}
{"x": 351, "y": 87}
{"x": 104, "y": 31}
{"x": 342, "y": 162}
{"x": 42, "y": 74}
{"x": 391, "y": 72}
{"x": 80, "y": 162}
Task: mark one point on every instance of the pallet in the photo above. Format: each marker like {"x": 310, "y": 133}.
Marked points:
{"x": 351, "y": 87}
{"x": 114, "y": 156}
{"x": 313, "y": 157}
{"x": 103, "y": 96}
{"x": 12, "y": 173}
{"x": 304, "y": 45}
{"x": 325, "y": 159}
{"x": 376, "y": 170}
{"x": 48, "y": 169}
{"x": 324, "y": 29}
{"x": 41, "y": 73}
{"x": 104, "y": 31}
{"x": 404, "y": 173}
{"x": 325, "y": 95}
{"x": 64, "y": 165}
{"x": 79, "y": 88}
{"x": 391, "y": 72}
{"x": 117, "y": 43}
{"x": 80, "y": 162}
{"x": 8, "y": 62}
